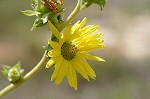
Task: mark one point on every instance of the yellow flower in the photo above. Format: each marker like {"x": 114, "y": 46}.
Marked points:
{"x": 68, "y": 54}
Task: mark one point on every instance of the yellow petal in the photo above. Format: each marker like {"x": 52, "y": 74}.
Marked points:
{"x": 71, "y": 76}
{"x": 87, "y": 67}
{"x": 89, "y": 47}
{"x": 54, "y": 45}
{"x": 67, "y": 32}
{"x": 50, "y": 63}
{"x": 100, "y": 40}
{"x": 54, "y": 30}
{"x": 53, "y": 53}
{"x": 86, "y": 28}
{"x": 62, "y": 71}
{"x": 76, "y": 64}
{"x": 90, "y": 30}
{"x": 88, "y": 56}
{"x": 74, "y": 78}
{"x": 74, "y": 27}
{"x": 57, "y": 67}
{"x": 82, "y": 23}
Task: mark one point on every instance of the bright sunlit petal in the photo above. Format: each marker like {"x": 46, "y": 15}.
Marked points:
{"x": 54, "y": 30}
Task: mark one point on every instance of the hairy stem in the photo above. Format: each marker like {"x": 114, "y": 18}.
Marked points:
{"x": 29, "y": 75}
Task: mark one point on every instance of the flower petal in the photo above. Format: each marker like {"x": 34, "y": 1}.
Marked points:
{"x": 88, "y": 56}
{"x": 75, "y": 27}
{"x": 89, "y": 30}
{"x": 57, "y": 67}
{"x": 74, "y": 78}
{"x": 67, "y": 32}
{"x": 87, "y": 67}
{"x": 77, "y": 65}
{"x": 62, "y": 71}
{"x": 90, "y": 47}
{"x": 82, "y": 23}
{"x": 50, "y": 63}
{"x": 53, "y": 53}
{"x": 54, "y": 45}
{"x": 66, "y": 36}
{"x": 71, "y": 76}
{"x": 54, "y": 30}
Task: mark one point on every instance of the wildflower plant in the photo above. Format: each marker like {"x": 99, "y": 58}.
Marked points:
{"x": 68, "y": 47}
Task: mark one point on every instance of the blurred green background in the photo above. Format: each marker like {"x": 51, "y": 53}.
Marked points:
{"x": 125, "y": 25}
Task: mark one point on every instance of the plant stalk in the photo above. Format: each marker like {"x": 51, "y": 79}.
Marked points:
{"x": 29, "y": 75}
{"x": 44, "y": 59}
{"x": 71, "y": 16}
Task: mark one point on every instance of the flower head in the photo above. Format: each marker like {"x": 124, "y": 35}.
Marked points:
{"x": 69, "y": 53}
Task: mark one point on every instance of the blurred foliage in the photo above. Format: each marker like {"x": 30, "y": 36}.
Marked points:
{"x": 123, "y": 76}
{"x": 45, "y": 10}
{"x": 87, "y": 3}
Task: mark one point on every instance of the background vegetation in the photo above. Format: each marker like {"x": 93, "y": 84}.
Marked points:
{"x": 125, "y": 75}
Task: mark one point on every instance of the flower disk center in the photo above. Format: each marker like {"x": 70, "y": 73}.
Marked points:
{"x": 68, "y": 50}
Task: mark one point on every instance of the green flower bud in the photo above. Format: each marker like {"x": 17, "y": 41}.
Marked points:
{"x": 13, "y": 74}
{"x": 46, "y": 10}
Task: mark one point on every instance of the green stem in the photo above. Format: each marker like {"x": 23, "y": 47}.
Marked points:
{"x": 71, "y": 16}
{"x": 44, "y": 59}
{"x": 29, "y": 75}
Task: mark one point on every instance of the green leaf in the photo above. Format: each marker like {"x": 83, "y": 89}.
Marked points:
{"x": 5, "y": 73}
{"x": 45, "y": 17}
{"x": 40, "y": 21}
{"x": 6, "y": 68}
{"x": 87, "y": 3}
{"x": 37, "y": 23}
{"x": 30, "y": 12}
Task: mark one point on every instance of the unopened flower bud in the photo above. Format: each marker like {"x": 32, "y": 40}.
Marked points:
{"x": 13, "y": 74}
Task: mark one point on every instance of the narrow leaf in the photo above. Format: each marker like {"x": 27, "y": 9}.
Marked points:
{"x": 6, "y": 68}
{"x": 30, "y": 12}
{"x": 45, "y": 18}
{"x": 5, "y": 73}
{"x": 37, "y": 23}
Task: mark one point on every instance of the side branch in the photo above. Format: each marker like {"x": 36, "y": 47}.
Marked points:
{"x": 29, "y": 75}
{"x": 71, "y": 16}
